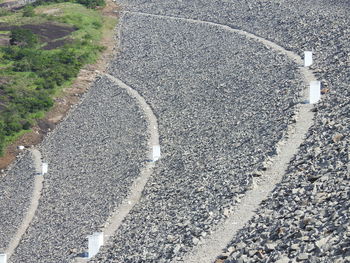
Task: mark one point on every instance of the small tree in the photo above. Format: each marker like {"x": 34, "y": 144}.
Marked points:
{"x": 23, "y": 37}
{"x": 28, "y": 11}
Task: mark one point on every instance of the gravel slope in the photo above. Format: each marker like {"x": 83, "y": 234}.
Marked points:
{"x": 213, "y": 104}
{"x": 221, "y": 108}
{"x": 307, "y": 217}
{"x": 15, "y": 192}
{"x": 93, "y": 157}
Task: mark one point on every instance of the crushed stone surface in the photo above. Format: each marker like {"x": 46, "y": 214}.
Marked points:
{"x": 93, "y": 158}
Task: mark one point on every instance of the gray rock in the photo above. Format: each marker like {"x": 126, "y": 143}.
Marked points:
{"x": 302, "y": 257}
{"x": 284, "y": 259}
{"x": 92, "y": 164}
{"x": 271, "y": 246}
{"x": 214, "y": 136}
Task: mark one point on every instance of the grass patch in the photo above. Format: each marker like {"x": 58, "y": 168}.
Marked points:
{"x": 14, "y": 137}
{"x": 30, "y": 76}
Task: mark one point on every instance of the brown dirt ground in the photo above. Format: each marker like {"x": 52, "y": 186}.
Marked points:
{"x": 69, "y": 97}
{"x": 57, "y": 43}
{"x": 49, "y": 33}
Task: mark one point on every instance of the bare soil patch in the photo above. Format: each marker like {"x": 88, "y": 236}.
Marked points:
{"x": 56, "y": 44}
{"x": 50, "y": 33}
{"x": 70, "y": 96}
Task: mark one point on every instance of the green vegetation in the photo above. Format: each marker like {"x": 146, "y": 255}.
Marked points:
{"x": 4, "y": 12}
{"x": 92, "y": 3}
{"x": 31, "y": 76}
{"x": 87, "y": 3}
{"x": 23, "y": 37}
{"x": 28, "y": 11}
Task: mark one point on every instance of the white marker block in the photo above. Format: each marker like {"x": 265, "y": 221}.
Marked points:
{"x": 44, "y": 168}
{"x": 315, "y": 92}
{"x": 155, "y": 155}
{"x": 3, "y": 258}
{"x": 95, "y": 242}
{"x": 307, "y": 58}
{"x": 21, "y": 147}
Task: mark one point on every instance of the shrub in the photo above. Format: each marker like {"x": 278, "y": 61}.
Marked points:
{"x": 26, "y": 125}
{"x": 4, "y": 12}
{"x": 12, "y": 126}
{"x": 28, "y": 11}
{"x": 32, "y": 102}
{"x": 92, "y": 3}
{"x": 97, "y": 24}
{"x": 23, "y": 37}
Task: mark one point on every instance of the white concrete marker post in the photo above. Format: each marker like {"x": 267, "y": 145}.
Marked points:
{"x": 95, "y": 242}
{"x": 315, "y": 92}
{"x": 3, "y": 258}
{"x": 44, "y": 168}
{"x": 307, "y": 58}
{"x": 155, "y": 153}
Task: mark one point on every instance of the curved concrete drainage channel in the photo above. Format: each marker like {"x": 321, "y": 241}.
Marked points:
{"x": 98, "y": 239}
{"x": 209, "y": 248}
{"x": 34, "y": 202}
